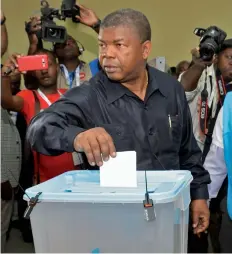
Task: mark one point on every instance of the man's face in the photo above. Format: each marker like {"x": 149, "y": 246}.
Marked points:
{"x": 15, "y": 81}
{"x": 48, "y": 78}
{"x": 225, "y": 64}
{"x": 121, "y": 53}
{"x": 67, "y": 50}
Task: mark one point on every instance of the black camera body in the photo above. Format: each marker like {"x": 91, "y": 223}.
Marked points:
{"x": 70, "y": 10}
{"x": 49, "y": 30}
{"x": 211, "y": 41}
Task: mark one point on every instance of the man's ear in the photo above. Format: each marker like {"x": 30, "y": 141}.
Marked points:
{"x": 146, "y": 49}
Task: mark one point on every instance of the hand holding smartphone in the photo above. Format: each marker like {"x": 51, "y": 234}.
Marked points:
{"x": 25, "y": 63}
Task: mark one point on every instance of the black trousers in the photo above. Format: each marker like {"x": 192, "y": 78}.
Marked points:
{"x": 225, "y": 236}
{"x": 196, "y": 244}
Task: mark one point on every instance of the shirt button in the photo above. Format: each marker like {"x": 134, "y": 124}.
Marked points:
{"x": 17, "y": 142}
{"x": 151, "y": 132}
{"x": 17, "y": 157}
{"x": 145, "y": 107}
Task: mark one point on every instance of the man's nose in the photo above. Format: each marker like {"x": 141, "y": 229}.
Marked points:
{"x": 109, "y": 52}
{"x": 44, "y": 71}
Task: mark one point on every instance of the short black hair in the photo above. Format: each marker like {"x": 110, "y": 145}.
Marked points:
{"x": 173, "y": 70}
{"x": 46, "y": 52}
{"x": 226, "y": 44}
{"x": 131, "y": 18}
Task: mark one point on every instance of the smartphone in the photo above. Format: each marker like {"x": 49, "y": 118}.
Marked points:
{"x": 160, "y": 63}
{"x": 32, "y": 63}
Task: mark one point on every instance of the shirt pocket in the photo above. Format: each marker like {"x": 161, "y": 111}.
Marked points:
{"x": 121, "y": 135}
{"x": 175, "y": 130}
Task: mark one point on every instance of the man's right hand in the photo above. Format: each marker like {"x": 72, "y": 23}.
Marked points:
{"x": 34, "y": 26}
{"x": 11, "y": 63}
{"x": 6, "y": 191}
{"x": 97, "y": 144}
{"x": 198, "y": 61}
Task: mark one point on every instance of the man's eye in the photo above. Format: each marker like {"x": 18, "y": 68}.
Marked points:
{"x": 119, "y": 45}
{"x": 101, "y": 45}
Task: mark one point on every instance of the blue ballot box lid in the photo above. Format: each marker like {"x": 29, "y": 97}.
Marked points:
{"x": 84, "y": 186}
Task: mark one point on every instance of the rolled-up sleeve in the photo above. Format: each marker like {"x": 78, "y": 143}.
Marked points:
{"x": 192, "y": 94}
{"x": 190, "y": 156}
{"x": 52, "y": 132}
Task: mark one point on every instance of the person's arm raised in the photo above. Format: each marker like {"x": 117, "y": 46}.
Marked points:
{"x": 32, "y": 27}
{"x": 88, "y": 17}
{"x": 189, "y": 79}
{"x": 65, "y": 127}
{"x": 8, "y": 101}
{"x": 4, "y": 36}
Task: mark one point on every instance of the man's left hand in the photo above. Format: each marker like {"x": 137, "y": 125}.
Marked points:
{"x": 200, "y": 216}
{"x": 87, "y": 16}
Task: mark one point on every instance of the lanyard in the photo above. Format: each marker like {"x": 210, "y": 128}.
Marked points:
{"x": 220, "y": 86}
{"x": 45, "y": 98}
{"x": 67, "y": 77}
{"x": 204, "y": 100}
{"x": 204, "y": 108}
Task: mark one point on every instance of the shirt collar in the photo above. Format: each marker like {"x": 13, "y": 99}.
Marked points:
{"x": 211, "y": 70}
{"x": 115, "y": 90}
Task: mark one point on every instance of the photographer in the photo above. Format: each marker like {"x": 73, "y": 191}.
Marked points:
{"x": 193, "y": 81}
{"x": 29, "y": 103}
{"x": 199, "y": 77}
{"x": 73, "y": 71}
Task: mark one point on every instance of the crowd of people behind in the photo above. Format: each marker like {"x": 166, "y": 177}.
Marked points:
{"x": 76, "y": 116}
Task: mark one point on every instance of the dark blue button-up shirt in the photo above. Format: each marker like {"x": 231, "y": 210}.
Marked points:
{"x": 159, "y": 128}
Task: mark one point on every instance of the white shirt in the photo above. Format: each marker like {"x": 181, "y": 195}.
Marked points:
{"x": 215, "y": 162}
{"x": 193, "y": 100}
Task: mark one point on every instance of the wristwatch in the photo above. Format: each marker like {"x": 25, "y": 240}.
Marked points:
{"x": 97, "y": 25}
{"x": 3, "y": 21}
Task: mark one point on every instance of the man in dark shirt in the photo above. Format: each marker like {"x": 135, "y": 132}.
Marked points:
{"x": 127, "y": 106}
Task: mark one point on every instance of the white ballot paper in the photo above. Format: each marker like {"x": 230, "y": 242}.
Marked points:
{"x": 119, "y": 171}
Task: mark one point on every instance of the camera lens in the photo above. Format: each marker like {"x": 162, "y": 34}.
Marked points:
{"x": 208, "y": 49}
{"x": 206, "y": 54}
{"x": 53, "y": 32}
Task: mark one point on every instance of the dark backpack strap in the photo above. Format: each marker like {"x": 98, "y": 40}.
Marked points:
{"x": 37, "y": 110}
{"x": 37, "y": 103}
{"x": 27, "y": 147}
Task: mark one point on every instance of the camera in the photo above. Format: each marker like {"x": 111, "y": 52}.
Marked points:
{"x": 49, "y": 30}
{"x": 211, "y": 41}
{"x": 70, "y": 10}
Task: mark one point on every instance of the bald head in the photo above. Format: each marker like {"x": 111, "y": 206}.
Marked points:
{"x": 181, "y": 67}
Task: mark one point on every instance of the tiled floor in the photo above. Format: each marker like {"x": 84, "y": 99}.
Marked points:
{"x": 16, "y": 244}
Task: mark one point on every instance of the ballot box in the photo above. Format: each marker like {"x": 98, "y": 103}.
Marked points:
{"x": 74, "y": 214}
